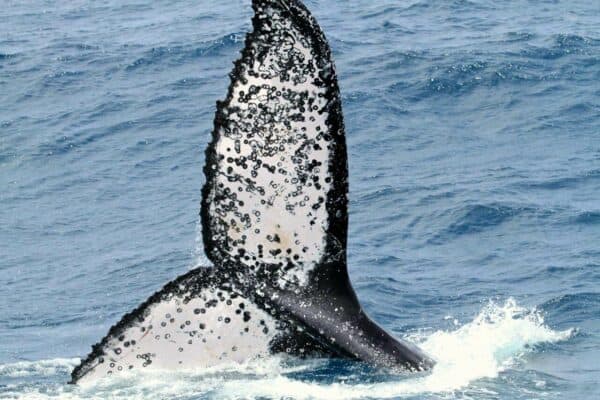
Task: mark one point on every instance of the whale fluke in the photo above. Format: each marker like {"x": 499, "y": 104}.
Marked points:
{"x": 274, "y": 218}
{"x": 201, "y": 319}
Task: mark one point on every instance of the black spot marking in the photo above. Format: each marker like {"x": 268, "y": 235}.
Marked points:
{"x": 278, "y": 143}
{"x": 246, "y": 316}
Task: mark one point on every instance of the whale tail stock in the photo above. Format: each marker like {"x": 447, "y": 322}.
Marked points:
{"x": 274, "y": 215}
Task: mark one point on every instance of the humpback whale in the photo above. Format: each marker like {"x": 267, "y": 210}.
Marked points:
{"x": 274, "y": 225}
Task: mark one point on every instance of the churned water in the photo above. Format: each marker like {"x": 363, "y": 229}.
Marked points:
{"x": 474, "y": 144}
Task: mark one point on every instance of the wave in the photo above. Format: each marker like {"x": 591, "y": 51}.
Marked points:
{"x": 460, "y": 78}
{"x": 477, "y": 218}
{"x": 413, "y": 8}
{"x": 588, "y": 218}
{"x": 457, "y": 78}
{"x": 66, "y": 144}
{"x": 497, "y": 339}
{"x": 562, "y": 182}
{"x": 177, "y": 55}
{"x": 522, "y": 36}
{"x": 63, "y": 80}
{"x": 562, "y": 45}
{"x": 58, "y": 366}
{"x": 450, "y": 75}
{"x": 575, "y": 307}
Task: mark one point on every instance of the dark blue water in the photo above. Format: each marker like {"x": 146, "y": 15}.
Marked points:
{"x": 474, "y": 146}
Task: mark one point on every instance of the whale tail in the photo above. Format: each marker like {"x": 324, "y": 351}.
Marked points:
{"x": 274, "y": 214}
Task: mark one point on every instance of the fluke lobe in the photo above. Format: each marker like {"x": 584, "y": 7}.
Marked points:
{"x": 274, "y": 219}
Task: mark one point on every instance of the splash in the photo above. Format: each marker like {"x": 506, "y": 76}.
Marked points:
{"x": 497, "y": 339}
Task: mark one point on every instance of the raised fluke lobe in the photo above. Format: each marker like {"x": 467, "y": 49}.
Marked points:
{"x": 275, "y": 197}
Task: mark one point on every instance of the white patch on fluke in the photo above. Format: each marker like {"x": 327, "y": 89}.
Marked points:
{"x": 188, "y": 330}
{"x": 269, "y": 180}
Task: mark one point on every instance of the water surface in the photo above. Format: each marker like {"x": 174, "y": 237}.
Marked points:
{"x": 473, "y": 132}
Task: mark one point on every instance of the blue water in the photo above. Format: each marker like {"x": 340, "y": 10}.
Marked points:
{"x": 474, "y": 145}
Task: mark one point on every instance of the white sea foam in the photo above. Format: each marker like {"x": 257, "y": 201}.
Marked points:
{"x": 493, "y": 341}
{"x": 483, "y": 348}
{"x": 38, "y": 368}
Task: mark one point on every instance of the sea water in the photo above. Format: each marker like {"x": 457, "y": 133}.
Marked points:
{"x": 473, "y": 132}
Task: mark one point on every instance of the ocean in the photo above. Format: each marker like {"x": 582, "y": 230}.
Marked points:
{"x": 473, "y": 132}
